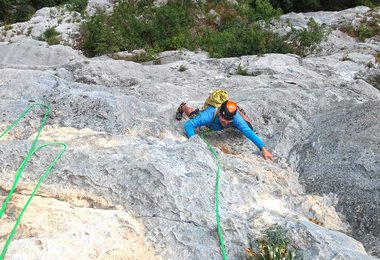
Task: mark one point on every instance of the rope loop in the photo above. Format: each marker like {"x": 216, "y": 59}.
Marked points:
{"x": 20, "y": 170}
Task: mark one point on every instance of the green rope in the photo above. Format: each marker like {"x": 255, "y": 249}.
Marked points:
{"x": 20, "y": 170}
{"x": 217, "y": 196}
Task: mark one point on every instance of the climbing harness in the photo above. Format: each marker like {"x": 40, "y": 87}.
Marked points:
{"x": 20, "y": 170}
{"x": 216, "y": 195}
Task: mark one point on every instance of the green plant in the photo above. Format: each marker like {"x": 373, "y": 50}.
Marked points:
{"x": 76, "y": 5}
{"x": 274, "y": 246}
{"x": 29, "y": 31}
{"x": 17, "y": 10}
{"x": 182, "y": 68}
{"x": 305, "y": 39}
{"x": 364, "y": 32}
{"x": 192, "y": 25}
{"x": 134, "y": 26}
{"x": 168, "y": 27}
{"x": 370, "y": 65}
{"x": 51, "y": 36}
{"x": 264, "y": 10}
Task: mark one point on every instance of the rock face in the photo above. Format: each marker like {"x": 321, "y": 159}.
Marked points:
{"x": 131, "y": 186}
{"x": 66, "y": 23}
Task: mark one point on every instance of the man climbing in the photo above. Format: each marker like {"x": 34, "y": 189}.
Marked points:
{"x": 221, "y": 118}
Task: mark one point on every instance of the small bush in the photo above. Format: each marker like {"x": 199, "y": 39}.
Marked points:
{"x": 274, "y": 246}
{"x": 29, "y": 31}
{"x": 182, "y": 68}
{"x": 305, "y": 39}
{"x": 263, "y": 10}
{"x": 370, "y": 65}
{"x": 364, "y": 32}
{"x": 51, "y": 36}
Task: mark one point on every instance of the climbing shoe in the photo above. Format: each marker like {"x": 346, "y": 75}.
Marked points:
{"x": 195, "y": 113}
{"x": 179, "y": 112}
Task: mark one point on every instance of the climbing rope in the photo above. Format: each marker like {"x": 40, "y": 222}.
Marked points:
{"x": 20, "y": 170}
{"x": 216, "y": 196}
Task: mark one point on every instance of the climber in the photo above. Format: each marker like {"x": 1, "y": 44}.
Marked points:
{"x": 217, "y": 119}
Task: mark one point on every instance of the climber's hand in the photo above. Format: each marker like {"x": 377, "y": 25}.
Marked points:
{"x": 266, "y": 154}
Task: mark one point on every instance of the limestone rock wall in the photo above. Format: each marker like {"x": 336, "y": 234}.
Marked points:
{"x": 131, "y": 186}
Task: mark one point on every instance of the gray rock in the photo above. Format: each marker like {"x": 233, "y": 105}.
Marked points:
{"x": 300, "y": 20}
{"x": 65, "y": 23}
{"x": 94, "y": 6}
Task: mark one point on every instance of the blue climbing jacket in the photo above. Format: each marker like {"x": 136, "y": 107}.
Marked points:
{"x": 205, "y": 119}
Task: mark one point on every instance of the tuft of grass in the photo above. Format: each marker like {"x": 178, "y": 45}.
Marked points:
{"x": 182, "y": 68}
{"x": 370, "y": 65}
{"x": 273, "y": 246}
{"x": 51, "y": 36}
{"x": 29, "y": 31}
{"x": 369, "y": 28}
